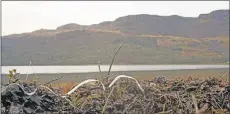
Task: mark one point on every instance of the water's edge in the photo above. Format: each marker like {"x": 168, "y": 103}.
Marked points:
{"x": 104, "y": 68}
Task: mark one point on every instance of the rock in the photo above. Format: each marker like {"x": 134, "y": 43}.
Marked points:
{"x": 14, "y": 101}
{"x": 15, "y": 109}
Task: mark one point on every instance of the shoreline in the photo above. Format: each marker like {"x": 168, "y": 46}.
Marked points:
{"x": 139, "y": 75}
{"x": 104, "y": 68}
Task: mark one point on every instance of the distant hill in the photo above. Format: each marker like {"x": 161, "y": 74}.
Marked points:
{"x": 213, "y": 24}
{"x": 147, "y": 39}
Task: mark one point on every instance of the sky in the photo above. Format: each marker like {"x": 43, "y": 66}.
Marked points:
{"x": 27, "y": 16}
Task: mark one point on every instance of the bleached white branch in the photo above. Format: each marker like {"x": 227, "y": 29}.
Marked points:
{"x": 27, "y": 93}
{"x": 84, "y": 82}
{"x": 124, "y": 76}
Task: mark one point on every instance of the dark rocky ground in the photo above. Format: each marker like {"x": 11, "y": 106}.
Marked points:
{"x": 160, "y": 95}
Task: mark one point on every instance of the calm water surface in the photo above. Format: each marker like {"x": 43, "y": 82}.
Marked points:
{"x": 94, "y": 68}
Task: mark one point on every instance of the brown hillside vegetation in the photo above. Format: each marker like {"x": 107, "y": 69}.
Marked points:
{"x": 147, "y": 39}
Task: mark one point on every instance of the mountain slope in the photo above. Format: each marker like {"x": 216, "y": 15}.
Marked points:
{"x": 147, "y": 39}
{"x": 213, "y": 24}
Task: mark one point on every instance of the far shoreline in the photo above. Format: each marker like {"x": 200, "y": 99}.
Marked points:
{"x": 225, "y": 63}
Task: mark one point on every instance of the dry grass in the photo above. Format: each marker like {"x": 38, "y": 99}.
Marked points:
{"x": 64, "y": 87}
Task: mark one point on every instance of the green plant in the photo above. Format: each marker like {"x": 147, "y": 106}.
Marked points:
{"x": 12, "y": 76}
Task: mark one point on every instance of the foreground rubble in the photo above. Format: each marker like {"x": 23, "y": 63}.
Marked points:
{"x": 210, "y": 96}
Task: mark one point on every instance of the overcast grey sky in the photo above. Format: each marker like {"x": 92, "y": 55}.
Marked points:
{"x": 25, "y": 16}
